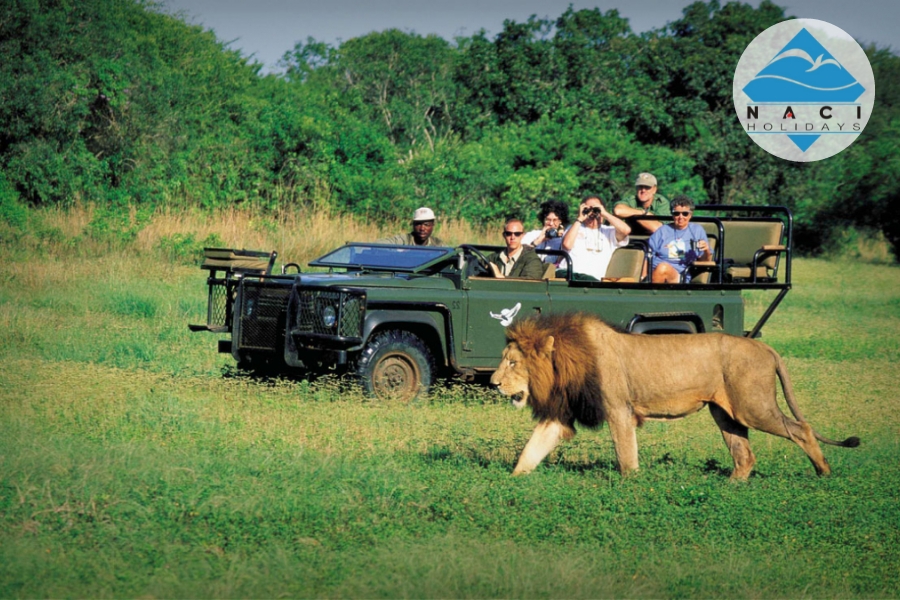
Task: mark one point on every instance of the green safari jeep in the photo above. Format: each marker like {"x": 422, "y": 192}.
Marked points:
{"x": 398, "y": 317}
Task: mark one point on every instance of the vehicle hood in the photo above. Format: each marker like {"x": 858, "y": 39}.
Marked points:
{"x": 380, "y": 280}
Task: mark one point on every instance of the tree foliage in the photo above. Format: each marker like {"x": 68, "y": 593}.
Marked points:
{"x": 118, "y": 103}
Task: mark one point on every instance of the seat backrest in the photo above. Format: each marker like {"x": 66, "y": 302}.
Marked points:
{"x": 549, "y": 271}
{"x": 625, "y": 262}
{"x": 744, "y": 238}
{"x": 245, "y": 262}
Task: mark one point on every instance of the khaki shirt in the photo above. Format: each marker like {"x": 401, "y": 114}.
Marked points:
{"x": 658, "y": 206}
{"x": 408, "y": 239}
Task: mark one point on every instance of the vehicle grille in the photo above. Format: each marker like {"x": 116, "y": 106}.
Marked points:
{"x": 218, "y": 305}
{"x": 263, "y": 310}
{"x": 350, "y": 308}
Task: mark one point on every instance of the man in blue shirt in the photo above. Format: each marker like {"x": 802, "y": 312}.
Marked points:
{"x": 676, "y": 246}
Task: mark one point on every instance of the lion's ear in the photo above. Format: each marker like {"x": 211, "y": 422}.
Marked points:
{"x": 547, "y": 346}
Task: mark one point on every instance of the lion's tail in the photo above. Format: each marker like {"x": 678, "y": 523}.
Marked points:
{"x": 787, "y": 386}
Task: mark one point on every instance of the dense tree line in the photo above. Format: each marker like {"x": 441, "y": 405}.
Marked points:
{"x": 118, "y": 103}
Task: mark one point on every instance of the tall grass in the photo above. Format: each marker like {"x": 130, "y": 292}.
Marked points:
{"x": 134, "y": 462}
{"x": 297, "y": 235}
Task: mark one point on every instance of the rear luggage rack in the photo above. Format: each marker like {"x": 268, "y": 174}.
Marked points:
{"x": 227, "y": 266}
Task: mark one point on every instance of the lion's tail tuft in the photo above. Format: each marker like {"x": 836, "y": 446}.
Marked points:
{"x": 850, "y": 442}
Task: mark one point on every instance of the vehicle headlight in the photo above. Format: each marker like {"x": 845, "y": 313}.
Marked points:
{"x": 329, "y": 317}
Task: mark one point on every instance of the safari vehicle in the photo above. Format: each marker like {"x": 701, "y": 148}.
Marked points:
{"x": 398, "y": 317}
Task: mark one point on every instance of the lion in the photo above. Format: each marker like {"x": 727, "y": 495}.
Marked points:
{"x": 575, "y": 368}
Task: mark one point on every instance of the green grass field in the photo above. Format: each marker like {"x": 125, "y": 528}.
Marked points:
{"x": 134, "y": 463}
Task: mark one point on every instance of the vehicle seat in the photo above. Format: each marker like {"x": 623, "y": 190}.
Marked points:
{"x": 625, "y": 265}
{"x": 753, "y": 245}
{"x": 244, "y": 262}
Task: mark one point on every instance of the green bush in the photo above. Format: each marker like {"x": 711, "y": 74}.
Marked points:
{"x": 13, "y": 212}
{"x": 117, "y": 226}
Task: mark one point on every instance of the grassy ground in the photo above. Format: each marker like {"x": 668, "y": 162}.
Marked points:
{"x": 134, "y": 463}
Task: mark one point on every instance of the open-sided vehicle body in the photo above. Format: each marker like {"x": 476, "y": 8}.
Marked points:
{"x": 399, "y": 316}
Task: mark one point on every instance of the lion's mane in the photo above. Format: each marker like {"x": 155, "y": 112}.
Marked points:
{"x": 564, "y": 384}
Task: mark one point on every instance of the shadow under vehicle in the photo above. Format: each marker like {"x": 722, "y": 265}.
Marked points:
{"x": 398, "y": 317}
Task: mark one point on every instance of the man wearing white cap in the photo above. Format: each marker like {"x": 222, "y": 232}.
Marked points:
{"x": 645, "y": 201}
{"x": 422, "y": 228}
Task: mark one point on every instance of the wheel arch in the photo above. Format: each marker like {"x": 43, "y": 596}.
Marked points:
{"x": 427, "y": 326}
{"x": 657, "y": 323}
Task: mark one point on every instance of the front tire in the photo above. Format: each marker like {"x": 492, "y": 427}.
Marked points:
{"x": 395, "y": 365}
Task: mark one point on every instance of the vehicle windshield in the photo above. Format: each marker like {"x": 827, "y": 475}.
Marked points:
{"x": 382, "y": 257}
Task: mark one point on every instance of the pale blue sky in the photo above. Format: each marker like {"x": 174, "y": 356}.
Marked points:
{"x": 267, "y": 29}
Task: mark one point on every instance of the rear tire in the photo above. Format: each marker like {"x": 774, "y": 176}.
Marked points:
{"x": 395, "y": 365}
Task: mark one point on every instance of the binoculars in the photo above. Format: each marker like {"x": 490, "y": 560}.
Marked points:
{"x": 593, "y": 211}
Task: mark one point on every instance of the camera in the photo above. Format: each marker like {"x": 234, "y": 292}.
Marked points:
{"x": 593, "y": 211}
{"x": 551, "y": 233}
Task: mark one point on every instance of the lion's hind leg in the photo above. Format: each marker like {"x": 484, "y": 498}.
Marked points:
{"x": 737, "y": 441}
{"x": 759, "y": 410}
{"x": 808, "y": 442}
{"x": 545, "y": 438}
{"x": 804, "y": 436}
{"x": 801, "y": 434}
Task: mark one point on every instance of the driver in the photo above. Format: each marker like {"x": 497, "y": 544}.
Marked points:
{"x": 516, "y": 260}
{"x": 422, "y": 228}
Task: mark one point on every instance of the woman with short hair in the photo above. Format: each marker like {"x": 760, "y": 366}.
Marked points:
{"x": 555, "y": 216}
{"x": 677, "y": 245}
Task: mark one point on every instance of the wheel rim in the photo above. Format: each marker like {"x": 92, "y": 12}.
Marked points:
{"x": 396, "y": 376}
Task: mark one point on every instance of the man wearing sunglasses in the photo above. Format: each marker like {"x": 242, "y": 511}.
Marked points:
{"x": 516, "y": 260}
{"x": 677, "y": 245}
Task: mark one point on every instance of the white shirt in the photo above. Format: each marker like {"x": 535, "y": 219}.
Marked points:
{"x": 531, "y": 236}
{"x": 593, "y": 249}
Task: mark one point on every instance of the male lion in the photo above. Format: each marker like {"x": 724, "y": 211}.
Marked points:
{"x": 575, "y": 367}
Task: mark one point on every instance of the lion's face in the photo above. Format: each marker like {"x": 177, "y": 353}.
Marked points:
{"x": 511, "y": 377}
